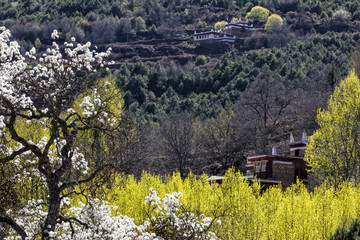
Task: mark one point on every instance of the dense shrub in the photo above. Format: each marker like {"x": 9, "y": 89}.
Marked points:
{"x": 245, "y": 212}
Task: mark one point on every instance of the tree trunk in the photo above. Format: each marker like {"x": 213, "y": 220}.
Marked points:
{"x": 53, "y": 212}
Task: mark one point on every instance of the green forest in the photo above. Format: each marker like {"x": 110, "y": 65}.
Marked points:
{"x": 116, "y": 124}
{"x": 206, "y": 84}
{"x": 104, "y": 22}
{"x": 205, "y": 92}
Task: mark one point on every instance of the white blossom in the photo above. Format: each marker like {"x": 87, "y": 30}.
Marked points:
{"x": 51, "y": 79}
{"x": 103, "y": 222}
{"x": 87, "y": 106}
{"x": 55, "y": 34}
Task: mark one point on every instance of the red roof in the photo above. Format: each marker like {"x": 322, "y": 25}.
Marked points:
{"x": 241, "y": 22}
{"x": 272, "y": 157}
{"x": 264, "y": 181}
{"x": 297, "y": 144}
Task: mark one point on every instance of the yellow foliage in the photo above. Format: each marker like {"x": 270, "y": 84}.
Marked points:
{"x": 220, "y": 25}
{"x": 31, "y": 130}
{"x": 273, "y": 20}
{"x": 110, "y": 96}
{"x": 26, "y": 183}
{"x": 333, "y": 150}
{"x": 244, "y": 211}
{"x": 258, "y": 14}
{"x": 94, "y": 143}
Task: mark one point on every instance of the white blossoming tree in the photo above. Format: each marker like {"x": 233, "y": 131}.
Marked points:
{"x": 49, "y": 107}
{"x": 42, "y": 90}
{"x": 172, "y": 221}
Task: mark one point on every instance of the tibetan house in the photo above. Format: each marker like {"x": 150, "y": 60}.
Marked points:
{"x": 239, "y": 28}
{"x": 213, "y": 36}
{"x": 275, "y": 169}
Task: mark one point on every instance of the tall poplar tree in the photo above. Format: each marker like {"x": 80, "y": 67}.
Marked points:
{"x": 333, "y": 152}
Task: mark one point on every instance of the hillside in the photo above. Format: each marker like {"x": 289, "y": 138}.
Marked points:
{"x": 161, "y": 71}
{"x": 178, "y": 49}
{"x": 246, "y": 109}
{"x": 155, "y": 29}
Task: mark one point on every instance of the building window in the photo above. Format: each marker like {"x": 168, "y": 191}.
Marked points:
{"x": 297, "y": 153}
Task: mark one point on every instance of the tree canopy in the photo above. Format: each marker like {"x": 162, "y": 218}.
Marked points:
{"x": 333, "y": 151}
{"x": 220, "y": 25}
{"x": 273, "y": 21}
{"x": 153, "y": 90}
{"x": 258, "y": 14}
{"x": 40, "y": 91}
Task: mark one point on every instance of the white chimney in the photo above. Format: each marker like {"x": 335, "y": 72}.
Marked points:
{"x": 291, "y": 138}
{"x": 273, "y": 152}
{"x": 303, "y": 139}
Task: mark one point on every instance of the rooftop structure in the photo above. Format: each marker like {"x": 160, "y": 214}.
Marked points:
{"x": 239, "y": 28}
{"x": 276, "y": 169}
{"x": 213, "y": 36}
{"x": 232, "y": 30}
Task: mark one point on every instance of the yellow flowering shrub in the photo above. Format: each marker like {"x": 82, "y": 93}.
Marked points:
{"x": 244, "y": 211}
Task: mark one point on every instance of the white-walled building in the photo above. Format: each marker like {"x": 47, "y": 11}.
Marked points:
{"x": 213, "y": 36}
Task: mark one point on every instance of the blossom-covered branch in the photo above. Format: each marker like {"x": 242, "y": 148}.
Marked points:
{"x": 39, "y": 88}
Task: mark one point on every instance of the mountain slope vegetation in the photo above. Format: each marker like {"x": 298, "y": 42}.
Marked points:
{"x": 306, "y": 56}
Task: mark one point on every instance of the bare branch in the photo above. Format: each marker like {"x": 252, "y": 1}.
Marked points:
{"x": 14, "y": 154}
{"x": 91, "y": 177}
{"x": 8, "y": 220}
{"x": 65, "y": 219}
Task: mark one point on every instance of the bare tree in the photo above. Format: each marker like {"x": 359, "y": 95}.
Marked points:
{"x": 355, "y": 60}
{"x": 122, "y": 146}
{"x": 126, "y": 26}
{"x": 178, "y": 135}
{"x": 223, "y": 143}
{"x": 263, "y": 109}
{"x": 313, "y": 94}
{"x": 103, "y": 31}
